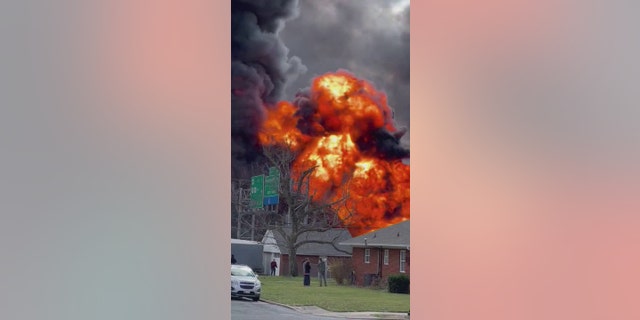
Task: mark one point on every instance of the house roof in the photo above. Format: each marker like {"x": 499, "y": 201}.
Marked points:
{"x": 270, "y": 243}
{"x": 319, "y": 249}
{"x": 394, "y": 236}
{"x": 241, "y": 241}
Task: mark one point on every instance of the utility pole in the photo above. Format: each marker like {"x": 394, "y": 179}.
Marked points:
{"x": 247, "y": 212}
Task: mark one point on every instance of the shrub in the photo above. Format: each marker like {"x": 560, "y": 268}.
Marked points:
{"x": 340, "y": 271}
{"x": 398, "y": 283}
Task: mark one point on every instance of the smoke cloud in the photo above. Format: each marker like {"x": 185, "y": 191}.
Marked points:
{"x": 260, "y": 70}
{"x": 369, "y": 38}
{"x": 329, "y": 35}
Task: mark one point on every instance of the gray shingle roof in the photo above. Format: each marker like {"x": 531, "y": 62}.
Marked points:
{"x": 394, "y": 236}
{"x": 319, "y": 249}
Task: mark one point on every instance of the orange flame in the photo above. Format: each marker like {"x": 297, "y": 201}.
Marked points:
{"x": 347, "y": 110}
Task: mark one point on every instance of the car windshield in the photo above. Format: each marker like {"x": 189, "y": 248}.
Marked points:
{"x": 242, "y": 272}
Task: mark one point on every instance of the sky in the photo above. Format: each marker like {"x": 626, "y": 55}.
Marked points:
{"x": 368, "y": 38}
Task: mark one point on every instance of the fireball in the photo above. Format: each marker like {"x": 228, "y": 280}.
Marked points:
{"x": 335, "y": 128}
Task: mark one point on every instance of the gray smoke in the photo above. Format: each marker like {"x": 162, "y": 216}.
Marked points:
{"x": 260, "y": 71}
{"x": 365, "y": 37}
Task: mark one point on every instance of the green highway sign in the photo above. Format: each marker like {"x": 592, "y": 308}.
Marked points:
{"x": 257, "y": 192}
{"x": 271, "y": 183}
{"x": 271, "y": 187}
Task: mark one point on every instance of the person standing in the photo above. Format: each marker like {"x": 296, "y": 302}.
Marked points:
{"x": 274, "y": 265}
{"x": 322, "y": 272}
{"x": 306, "y": 267}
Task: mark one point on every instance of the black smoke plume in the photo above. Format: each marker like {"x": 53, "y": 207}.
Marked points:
{"x": 260, "y": 70}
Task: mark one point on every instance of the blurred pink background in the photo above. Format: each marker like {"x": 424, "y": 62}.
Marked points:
{"x": 524, "y": 180}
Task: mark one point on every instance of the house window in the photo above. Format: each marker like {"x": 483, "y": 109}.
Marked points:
{"x": 367, "y": 255}
{"x": 386, "y": 257}
{"x": 403, "y": 254}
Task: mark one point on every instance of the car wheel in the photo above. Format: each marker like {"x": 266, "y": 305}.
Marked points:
{"x": 256, "y": 298}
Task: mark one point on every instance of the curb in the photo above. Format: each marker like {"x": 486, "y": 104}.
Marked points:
{"x": 346, "y": 315}
{"x": 278, "y": 304}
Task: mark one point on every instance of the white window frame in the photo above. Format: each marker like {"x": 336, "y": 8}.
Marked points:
{"x": 386, "y": 257}
{"x": 367, "y": 255}
{"x": 403, "y": 260}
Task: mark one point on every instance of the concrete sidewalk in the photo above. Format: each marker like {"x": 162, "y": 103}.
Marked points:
{"x": 317, "y": 311}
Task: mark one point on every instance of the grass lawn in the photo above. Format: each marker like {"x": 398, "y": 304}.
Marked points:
{"x": 290, "y": 291}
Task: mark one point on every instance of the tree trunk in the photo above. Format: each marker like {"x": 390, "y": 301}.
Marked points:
{"x": 293, "y": 264}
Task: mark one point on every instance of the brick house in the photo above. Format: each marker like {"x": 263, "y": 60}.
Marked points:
{"x": 380, "y": 253}
{"x": 314, "y": 251}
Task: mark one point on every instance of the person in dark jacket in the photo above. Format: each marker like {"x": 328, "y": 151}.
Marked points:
{"x": 306, "y": 266}
{"x": 274, "y": 265}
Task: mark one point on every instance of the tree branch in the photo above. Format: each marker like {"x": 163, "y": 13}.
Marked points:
{"x": 300, "y": 243}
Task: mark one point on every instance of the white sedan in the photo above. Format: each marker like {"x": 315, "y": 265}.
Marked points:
{"x": 244, "y": 282}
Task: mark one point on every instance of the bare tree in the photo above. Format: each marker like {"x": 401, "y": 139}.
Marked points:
{"x": 240, "y": 203}
{"x": 298, "y": 215}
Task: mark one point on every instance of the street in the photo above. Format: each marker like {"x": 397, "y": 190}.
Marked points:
{"x": 242, "y": 309}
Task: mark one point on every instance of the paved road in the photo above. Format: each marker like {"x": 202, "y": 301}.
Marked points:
{"x": 249, "y": 310}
